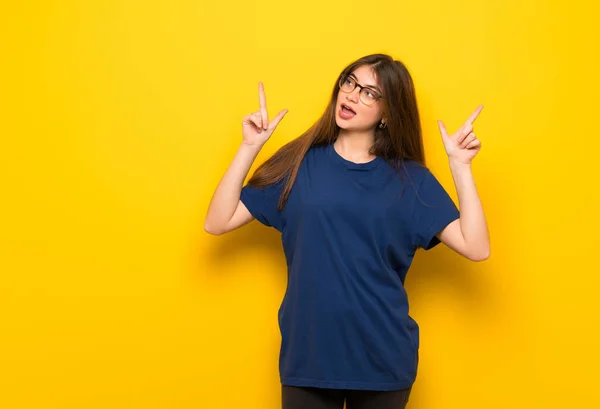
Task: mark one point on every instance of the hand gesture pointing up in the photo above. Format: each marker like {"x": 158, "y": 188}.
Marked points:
{"x": 256, "y": 127}
{"x": 463, "y": 145}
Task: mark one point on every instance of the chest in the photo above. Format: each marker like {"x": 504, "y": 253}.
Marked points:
{"x": 367, "y": 200}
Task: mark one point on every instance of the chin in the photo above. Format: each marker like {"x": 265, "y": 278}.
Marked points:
{"x": 345, "y": 125}
{"x": 342, "y": 125}
{"x": 348, "y": 126}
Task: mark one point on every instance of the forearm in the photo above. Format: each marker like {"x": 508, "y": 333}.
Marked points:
{"x": 227, "y": 194}
{"x": 472, "y": 218}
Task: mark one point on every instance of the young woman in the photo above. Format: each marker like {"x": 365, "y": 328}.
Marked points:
{"x": 353, "y": 201}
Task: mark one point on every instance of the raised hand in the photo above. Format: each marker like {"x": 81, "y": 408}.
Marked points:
{"x": 462, "y": 145}
{"x": 256, "y": 127}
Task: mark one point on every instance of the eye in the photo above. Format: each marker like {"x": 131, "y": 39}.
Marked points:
{"x": 370, "y": 94}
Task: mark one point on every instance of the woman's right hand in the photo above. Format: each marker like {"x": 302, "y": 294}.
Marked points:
{"x": 256, "y": 127}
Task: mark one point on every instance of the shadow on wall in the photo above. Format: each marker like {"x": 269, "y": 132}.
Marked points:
{"x": 238, "y": 245}
{"x": 467, "y": 289}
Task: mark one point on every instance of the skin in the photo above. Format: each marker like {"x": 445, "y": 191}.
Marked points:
{"x": 226, "y": 212}
{"x": 468, "y": 235}
{"x": 358, "y": 133}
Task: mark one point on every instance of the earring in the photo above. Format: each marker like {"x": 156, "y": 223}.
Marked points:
{"x": 382, "y": 125}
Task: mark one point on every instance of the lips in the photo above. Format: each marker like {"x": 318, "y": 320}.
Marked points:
{"x": 346, "y": 113}
{"x": 348, "y": 108}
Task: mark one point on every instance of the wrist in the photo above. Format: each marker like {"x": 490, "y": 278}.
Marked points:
{"x": 251, "y": 147}
{"x": 457, "y": 165}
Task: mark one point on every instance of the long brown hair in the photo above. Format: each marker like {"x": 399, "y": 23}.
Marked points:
{"x": 400, "y": 140}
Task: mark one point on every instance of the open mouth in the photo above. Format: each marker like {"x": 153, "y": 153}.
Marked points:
{"x": 346, "y": 112}
{"x": 347, "y": 109}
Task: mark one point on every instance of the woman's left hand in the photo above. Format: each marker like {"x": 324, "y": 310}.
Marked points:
{"x": 463, "y": 145}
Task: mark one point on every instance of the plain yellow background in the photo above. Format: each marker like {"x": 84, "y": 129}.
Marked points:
{"x": 118, "y": 118}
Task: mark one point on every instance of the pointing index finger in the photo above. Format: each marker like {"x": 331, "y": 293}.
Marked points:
{"x": 263, "y": 105}
{"x": 261, "y": 96}
{"x": 475, "y": 114}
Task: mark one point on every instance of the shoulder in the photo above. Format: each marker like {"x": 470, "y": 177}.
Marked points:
{"x": 315, "y": 149}
{"x": 314, "y": 155}
{"x": 414, "y": 170}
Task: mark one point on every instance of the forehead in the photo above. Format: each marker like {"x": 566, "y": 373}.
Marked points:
{"x": 365, "y": 75}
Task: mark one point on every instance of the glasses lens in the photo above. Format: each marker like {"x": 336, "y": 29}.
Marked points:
{"x": 347, "y": 84}
{"x": 367, "y": 97}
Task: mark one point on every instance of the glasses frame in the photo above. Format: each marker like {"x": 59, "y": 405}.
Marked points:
{"x": 342, "y": 80}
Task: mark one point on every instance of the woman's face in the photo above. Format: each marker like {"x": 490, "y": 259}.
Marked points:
{"x": 364, "y": 116}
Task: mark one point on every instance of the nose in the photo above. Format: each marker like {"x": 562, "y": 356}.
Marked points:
{"x": 354, "y": 95}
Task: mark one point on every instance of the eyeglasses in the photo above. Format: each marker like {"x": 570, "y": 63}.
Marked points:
{"x": 368, "y": 96}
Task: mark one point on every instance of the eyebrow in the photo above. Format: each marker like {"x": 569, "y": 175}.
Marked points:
{"x": 373, "y": 87}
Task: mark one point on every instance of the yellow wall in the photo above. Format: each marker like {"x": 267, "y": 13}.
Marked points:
{"x": 118, "y": 118}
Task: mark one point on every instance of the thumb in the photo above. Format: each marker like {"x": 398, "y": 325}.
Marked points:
{"x": 275, "y": 121}
{"x": 442, "y": 129}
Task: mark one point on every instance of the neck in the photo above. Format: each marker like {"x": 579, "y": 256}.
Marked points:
{"x": 355, "y": 146}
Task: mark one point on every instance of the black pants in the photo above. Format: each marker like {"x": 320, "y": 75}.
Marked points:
{"x": 294, "y": 397}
